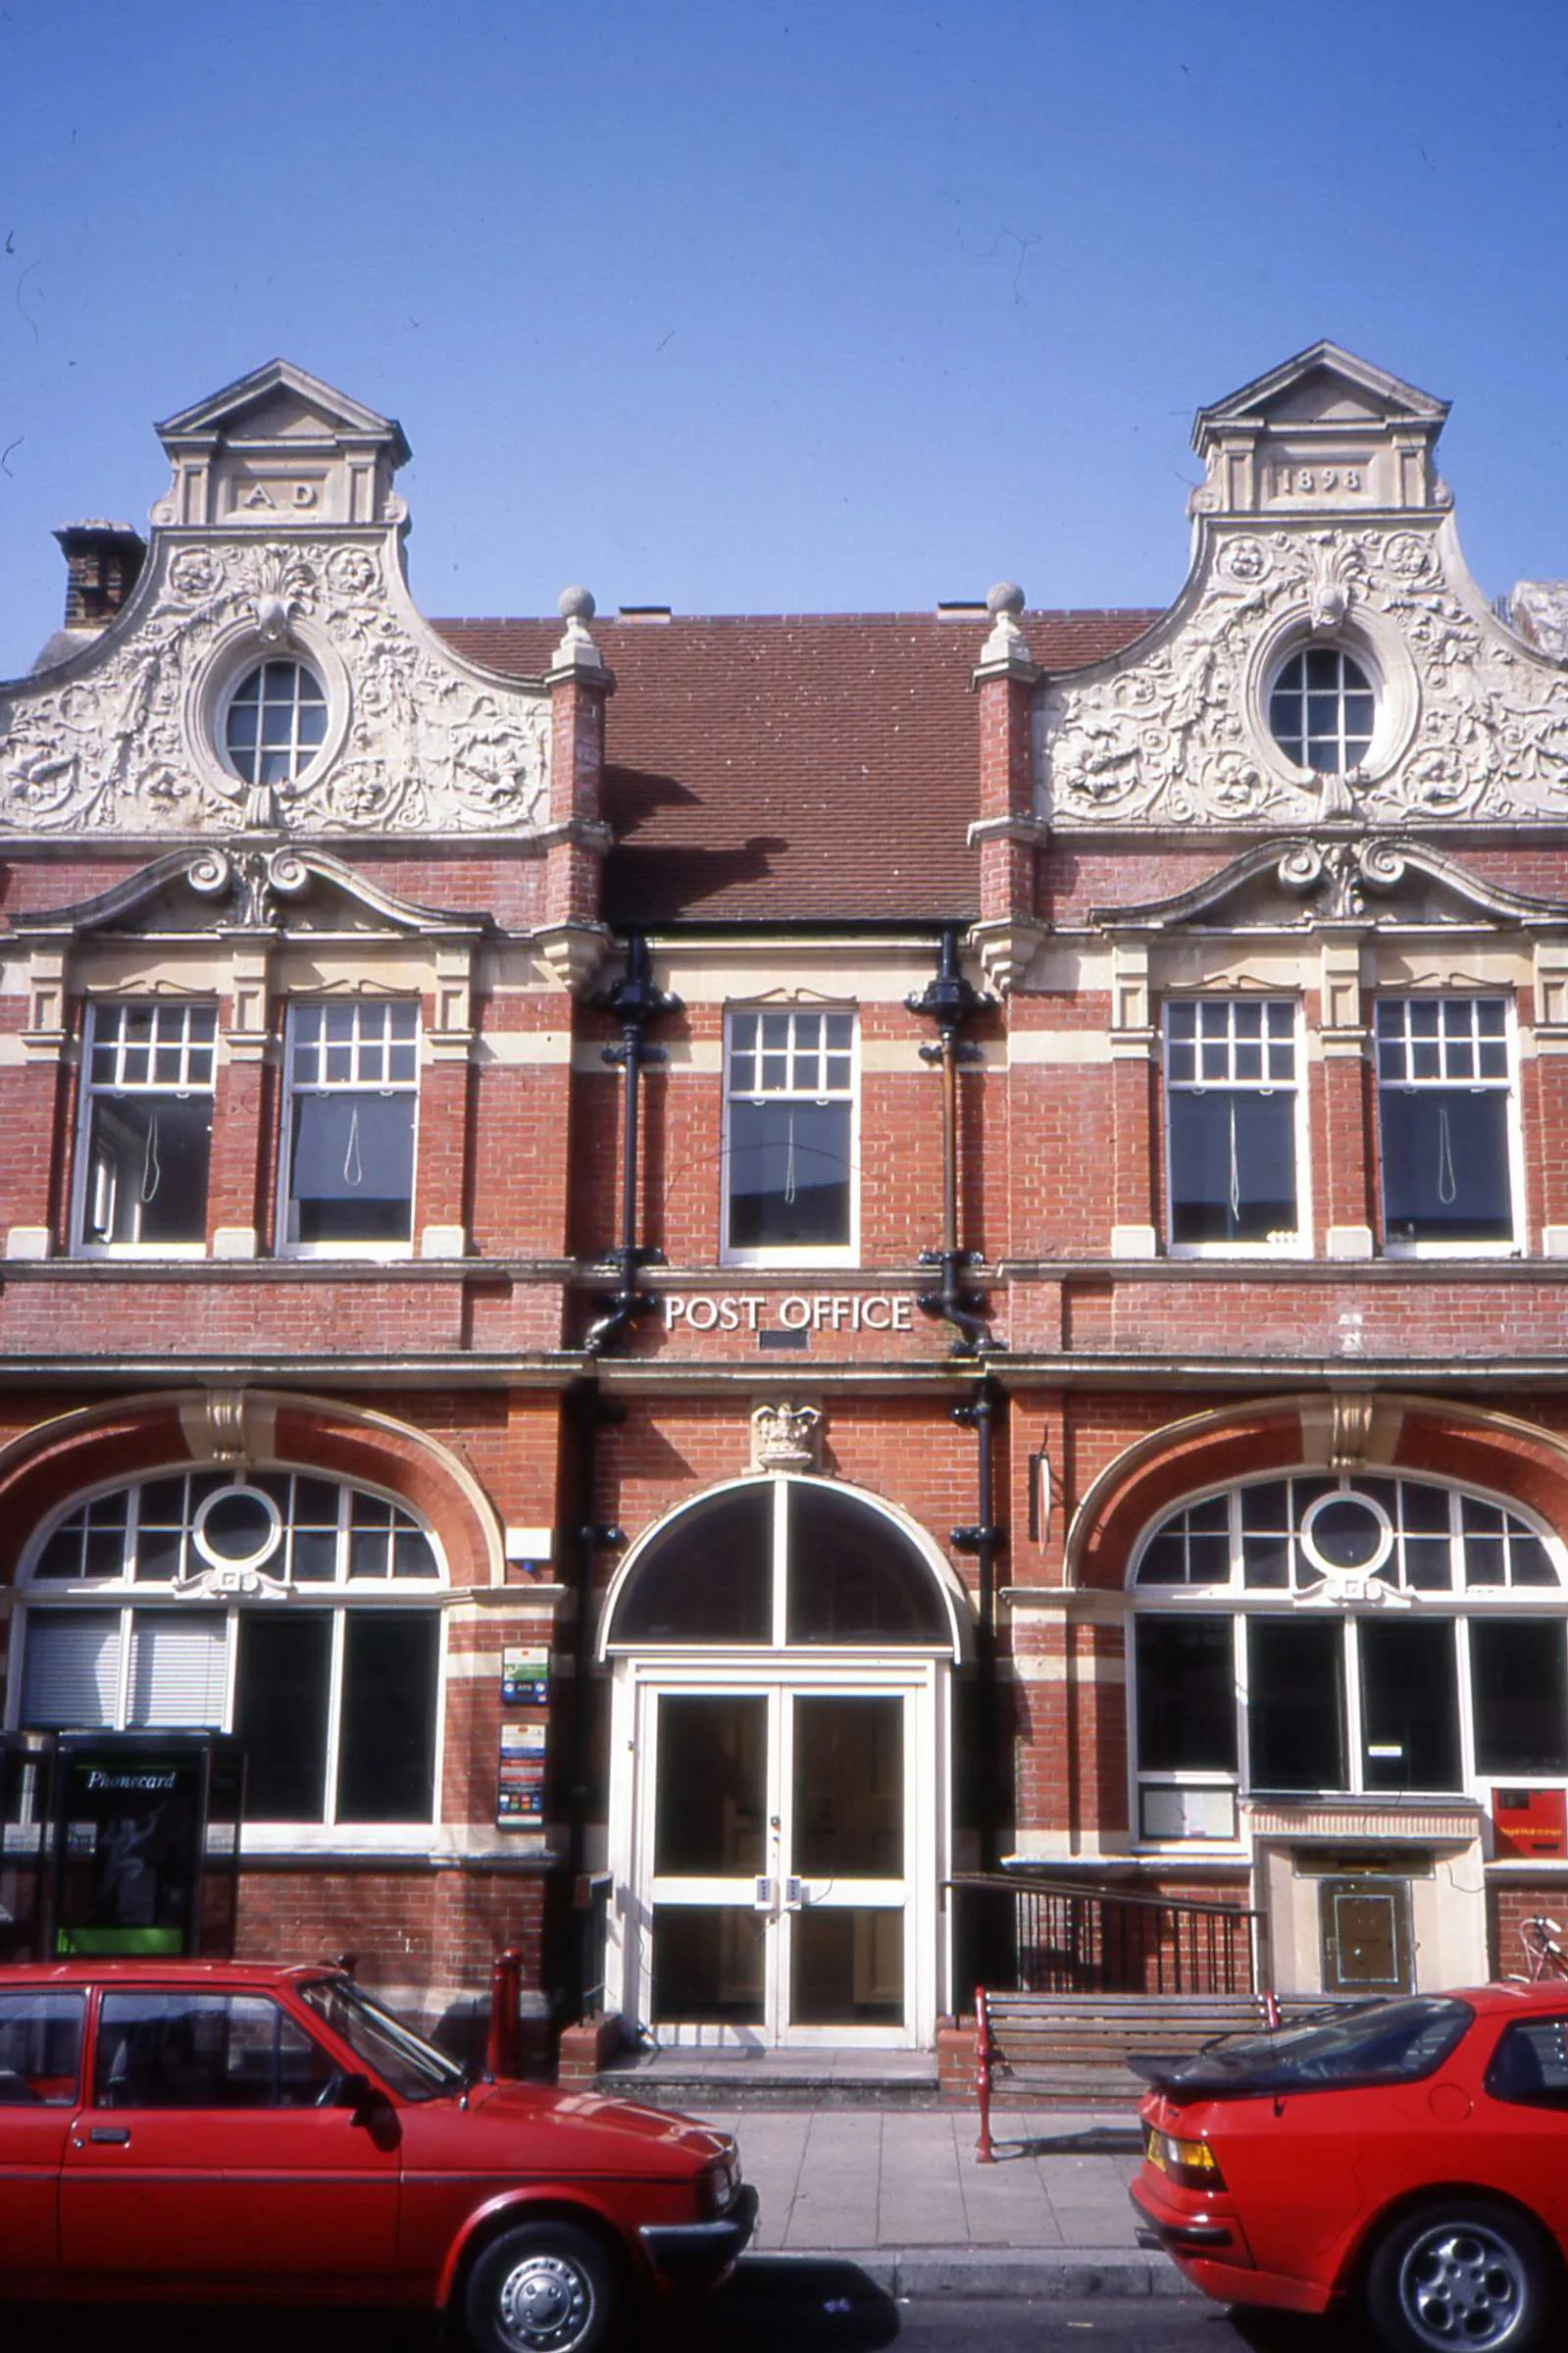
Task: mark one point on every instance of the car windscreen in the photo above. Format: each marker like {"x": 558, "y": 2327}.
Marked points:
{"x": 1364, "y": 2043}
{"x": 412, "y": 2067}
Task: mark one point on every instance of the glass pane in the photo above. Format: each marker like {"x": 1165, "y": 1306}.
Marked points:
{"x": 849, "y": 1788}
{"x": 1164, "y": 1560}
{"x": 1233, "y": 1166}
{"x": 1295, "y": 1712}
{"x": 281, "y": 1700}
{"x": 40, "y": 2047}
{"x": 161, "y": 2050}
{"x": 708, "y": 1577}
{"x": 848, "y": 1967}
{"x": 788, "y": 1174}
{"x": 270, "y": 2062}
{"x": 351, "y": 1168}
{"x": 1445, "y": 1165}
{"x": 854, "y": 1577}
{"x": 1410, "y": 1704}
{"x": 239, "y": 1527}
{"x": 707, "y": 1965}
{"x": 711, "y": 1815}
{"x": 1347, "y": 1533}
{"x": 1519, "y": 1691}
{"x": 147, "y": 1160}
{"x": 1186, "y": 1695}
{"x": 386, "y": 1743}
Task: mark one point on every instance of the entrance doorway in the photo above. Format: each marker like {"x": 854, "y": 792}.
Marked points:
{"x": 779, "y": 1902}
{"x": 779, "y": 1827}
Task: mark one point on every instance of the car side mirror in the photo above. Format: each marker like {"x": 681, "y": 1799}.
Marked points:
{"x": 357, "y": 2092}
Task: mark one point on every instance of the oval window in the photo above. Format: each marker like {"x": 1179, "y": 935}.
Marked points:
{"x": 1321, "y": 711}
{"x": 275, "y": 723}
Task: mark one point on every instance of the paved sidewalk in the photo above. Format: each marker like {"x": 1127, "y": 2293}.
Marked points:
{"x": 899, "y": 2192}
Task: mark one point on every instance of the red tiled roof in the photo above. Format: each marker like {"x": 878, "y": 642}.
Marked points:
{"x": 815, "y": 768}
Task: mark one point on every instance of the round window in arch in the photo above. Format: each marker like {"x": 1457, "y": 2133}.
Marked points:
{"x": 779, "y": 1562}
{"x": 157, "y": 1605}
{"x": 1320, "y": 1635}
{"x": 1298, "y": 1534}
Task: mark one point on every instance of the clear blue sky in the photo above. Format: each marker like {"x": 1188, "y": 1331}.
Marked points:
{"x": 743, "y": 307}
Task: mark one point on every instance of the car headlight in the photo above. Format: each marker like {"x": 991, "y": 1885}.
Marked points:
{"x": 721, "y": 2181}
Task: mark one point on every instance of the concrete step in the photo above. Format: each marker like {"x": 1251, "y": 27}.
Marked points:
{"x": 721, "y": 2079}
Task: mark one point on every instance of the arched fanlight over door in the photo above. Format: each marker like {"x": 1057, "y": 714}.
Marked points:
{"x": 781, "y": 1562}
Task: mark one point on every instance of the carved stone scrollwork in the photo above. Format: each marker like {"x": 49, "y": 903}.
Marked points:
{"x": 785, "y": 1436}
{"x": 1342, "y": 873}
{"x": 1473, "y": 722}
{"x": 255, "y": 879}
{"x": 129, "y": 740}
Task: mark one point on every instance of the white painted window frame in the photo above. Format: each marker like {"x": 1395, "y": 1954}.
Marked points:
{"x": 386, "y": 1251}
{"x": 1297, "y": 1244}
{"x": 89, "y": 1093}
{"x": 1510, "y": 1246}
{"x": 343, "y": 1594}
{"x": 1233, "y": 1600}
{"x": 787, "y": 1254}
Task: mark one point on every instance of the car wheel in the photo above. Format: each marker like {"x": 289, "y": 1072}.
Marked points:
{"x": 544, "y": 2287}
{"x": 1468, "y": 2275}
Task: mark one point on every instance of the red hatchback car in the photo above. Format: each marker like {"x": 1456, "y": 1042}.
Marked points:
{"x": 1410, "y": 2156}
{"x": 219, "y": 2132}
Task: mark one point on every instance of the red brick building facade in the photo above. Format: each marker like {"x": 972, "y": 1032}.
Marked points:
{"x": 764, "y": 1260}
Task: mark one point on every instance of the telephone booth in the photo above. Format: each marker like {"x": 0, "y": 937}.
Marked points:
{"x": 27, "y": 1774}
{"x": 144, "y": 1843}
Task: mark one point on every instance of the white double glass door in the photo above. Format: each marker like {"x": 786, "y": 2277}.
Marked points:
{"x": 785, "y": 1860}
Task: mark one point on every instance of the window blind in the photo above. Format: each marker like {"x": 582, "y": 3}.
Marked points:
{"x": 178, "y": 1667}
{"x": 70, "y": 1669}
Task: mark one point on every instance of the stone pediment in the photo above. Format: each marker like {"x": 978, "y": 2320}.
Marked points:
{"x": 1306, "y": 884}
{"x": 279, "y": 445}
{"x": 280, "y": 396}
{"x": 1323, "y": 385}
{"x": 243, "y": 889}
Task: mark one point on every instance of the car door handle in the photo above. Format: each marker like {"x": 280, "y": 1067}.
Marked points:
{"x": 117, "y": 2134}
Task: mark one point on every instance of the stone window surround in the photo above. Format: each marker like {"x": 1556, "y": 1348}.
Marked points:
{"x": 1346, "y": 976}
{"x": 254, "y": 982}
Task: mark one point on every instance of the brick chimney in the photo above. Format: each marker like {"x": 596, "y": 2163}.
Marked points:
{"x": 103, "y": 563}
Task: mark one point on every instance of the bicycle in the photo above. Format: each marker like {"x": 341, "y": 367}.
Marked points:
{"x": 1544, "y": 1956}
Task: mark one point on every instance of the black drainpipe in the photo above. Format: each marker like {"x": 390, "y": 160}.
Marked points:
{"x": 986, "y": 1540}
{"x": 951, "y": 1002}
{"x": 636, "y": 1004}
{"x": 588, "y": 1411}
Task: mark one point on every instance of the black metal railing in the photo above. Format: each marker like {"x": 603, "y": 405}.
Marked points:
{"x": 1033, "y": 1935}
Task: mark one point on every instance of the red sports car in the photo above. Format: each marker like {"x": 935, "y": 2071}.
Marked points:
{"x": 1410, "y": 2156}
{"x": 226, "y": 2132}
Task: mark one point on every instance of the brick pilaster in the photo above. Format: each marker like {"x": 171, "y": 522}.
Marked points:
{"x": 576, "y": 836}
{"x": 1007, "y": 833}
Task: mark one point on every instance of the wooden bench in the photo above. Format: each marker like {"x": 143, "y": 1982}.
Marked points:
{"x": 1077, "y": 2045}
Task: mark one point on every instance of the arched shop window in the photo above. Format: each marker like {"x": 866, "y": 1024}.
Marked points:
{"x": 278, "y": 1606}
{"x": 779, "y": 1562}
{"x": 1342, "y": 1635}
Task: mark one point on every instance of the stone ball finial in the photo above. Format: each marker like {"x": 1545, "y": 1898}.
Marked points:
{"x": 576, "y": 604}
{"x": 1005, "y": 597}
